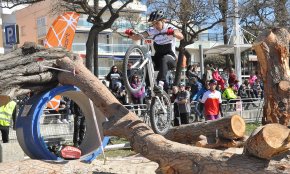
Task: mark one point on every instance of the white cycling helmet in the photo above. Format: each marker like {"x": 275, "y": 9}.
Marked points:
{"x": 156, "y": 15}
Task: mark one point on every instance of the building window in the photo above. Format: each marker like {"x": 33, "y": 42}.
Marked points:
{"x": 41, "y": 26}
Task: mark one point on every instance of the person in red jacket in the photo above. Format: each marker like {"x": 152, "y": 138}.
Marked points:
{"x": 212, "y": 101}
{"x": 232, "y": 76}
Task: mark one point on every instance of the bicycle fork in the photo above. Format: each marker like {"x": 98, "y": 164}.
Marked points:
{"x": 161, "y": 104}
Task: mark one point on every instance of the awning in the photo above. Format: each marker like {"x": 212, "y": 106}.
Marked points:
{"x": 227, "y": 49}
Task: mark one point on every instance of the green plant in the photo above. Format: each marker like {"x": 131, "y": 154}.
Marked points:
{"x": 250, "y": 127}
{"x": 117, "y": 152}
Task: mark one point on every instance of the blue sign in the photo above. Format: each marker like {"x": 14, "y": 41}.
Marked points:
{"x": 11, "y": 34}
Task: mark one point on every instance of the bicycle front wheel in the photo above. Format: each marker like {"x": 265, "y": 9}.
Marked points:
{"x": 134, "y": 65}
{"x": 161, "y": 113}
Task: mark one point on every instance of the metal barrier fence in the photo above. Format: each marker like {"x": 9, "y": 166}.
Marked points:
{"x": 250, "y": 109}
{"x": 51, "y": 130}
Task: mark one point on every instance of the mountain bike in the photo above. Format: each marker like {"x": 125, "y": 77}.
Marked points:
{"x": 161, "y": 113}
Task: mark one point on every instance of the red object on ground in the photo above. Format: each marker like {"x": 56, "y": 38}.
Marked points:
{"x": 40, "y": 59}
{"x": 70, "y": 152}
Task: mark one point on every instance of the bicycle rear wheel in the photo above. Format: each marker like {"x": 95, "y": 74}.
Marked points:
{"x": 135, "y": 56}
{"x": 160, "y": 120}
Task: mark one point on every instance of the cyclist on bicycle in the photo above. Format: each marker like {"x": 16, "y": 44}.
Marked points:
{"x": 164, "y": 35}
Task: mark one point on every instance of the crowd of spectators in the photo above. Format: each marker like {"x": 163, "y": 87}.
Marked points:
{"x": 227, "y": 84}
{"x": 187, "y": 98}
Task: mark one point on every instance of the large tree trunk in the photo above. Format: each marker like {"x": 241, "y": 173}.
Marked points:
{"x": 272, "y": 48}
{"x": 172, "y": 157}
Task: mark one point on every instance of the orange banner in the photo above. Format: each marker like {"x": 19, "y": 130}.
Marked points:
{"x": 62, "y": 31}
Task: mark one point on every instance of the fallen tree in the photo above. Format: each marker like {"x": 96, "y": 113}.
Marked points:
{"x": 171, "y": 156}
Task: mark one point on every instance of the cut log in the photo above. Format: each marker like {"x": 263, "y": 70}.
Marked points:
{"x": 232, "y": 127}
{"x": 272, "y": 48}
{"x": 172, "y": 157}
{"x": 269, "y": 141}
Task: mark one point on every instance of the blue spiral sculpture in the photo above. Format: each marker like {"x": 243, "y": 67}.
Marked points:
{"x": 28, "y": 125}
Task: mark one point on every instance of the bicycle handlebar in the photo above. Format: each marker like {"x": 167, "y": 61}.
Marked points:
{"x": 142, "y": 36}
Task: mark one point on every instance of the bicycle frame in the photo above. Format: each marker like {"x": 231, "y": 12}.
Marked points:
{"x": 150, "y": 69}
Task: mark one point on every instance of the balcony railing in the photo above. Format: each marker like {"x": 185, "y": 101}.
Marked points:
{"x": 111, "y": 49}
{"x": 120, "y": 25}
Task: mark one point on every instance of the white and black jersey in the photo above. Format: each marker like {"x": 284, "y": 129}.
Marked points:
{"x": 163, "y": 44}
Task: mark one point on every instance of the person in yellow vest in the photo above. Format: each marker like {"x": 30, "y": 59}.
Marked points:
{"x": 230, "y": 96}
{"x": 7, "y": 113}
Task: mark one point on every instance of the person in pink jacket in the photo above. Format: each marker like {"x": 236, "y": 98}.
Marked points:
{"x": 217, "y": 77}
{"x": 138, "y": 97}
{"x": 252, "y": 79}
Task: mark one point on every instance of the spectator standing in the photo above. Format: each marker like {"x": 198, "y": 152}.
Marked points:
{"x": 115, "y": 78}
{"x": 252, "y": 78}
{"x": 244, "y": 93}
{"x": 175, "y": 106}
{"x": 225, "y": 76}
{"x": 195, "y": 87}
{"x": 7, "y": 113}
{"x": 232, "y": 76}
{"x": 198, "y": 109}
{"x": 67, "y": 110}
{"x": 63, "y": 118}
{"x": 230, "y": 96}
{"x": 208, "y": 73}
{"x": 257, "y": 88}
{"x": 217, "y": 77}
{"x": 79, "y": 124}
{"x": 212, "y": 102}
{"x": 138, "y": 97}
{"x": 129, "y": 67}
{"x": 229, "y": 93}
{"x": 183, "y": 102}
{"x": 191, "y": 72}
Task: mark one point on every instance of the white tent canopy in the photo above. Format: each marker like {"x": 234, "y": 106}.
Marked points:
{"x": 227, "y": 49}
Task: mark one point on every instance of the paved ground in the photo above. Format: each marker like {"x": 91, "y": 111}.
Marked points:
{"x": 128, "y": 165}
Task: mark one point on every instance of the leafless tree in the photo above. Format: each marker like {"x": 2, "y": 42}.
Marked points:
{"x": 95, "y": 16}
{"x": 257, "y": 15}
{"x": 192, "y": 17}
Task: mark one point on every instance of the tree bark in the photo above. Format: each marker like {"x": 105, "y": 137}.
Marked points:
{"x": 272, "y": 48}
{"x": 25, "y": 69}
{"x": 228, "y": 128}
{"x": 269, "y": 141}
{"x": 172, "y": 157}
